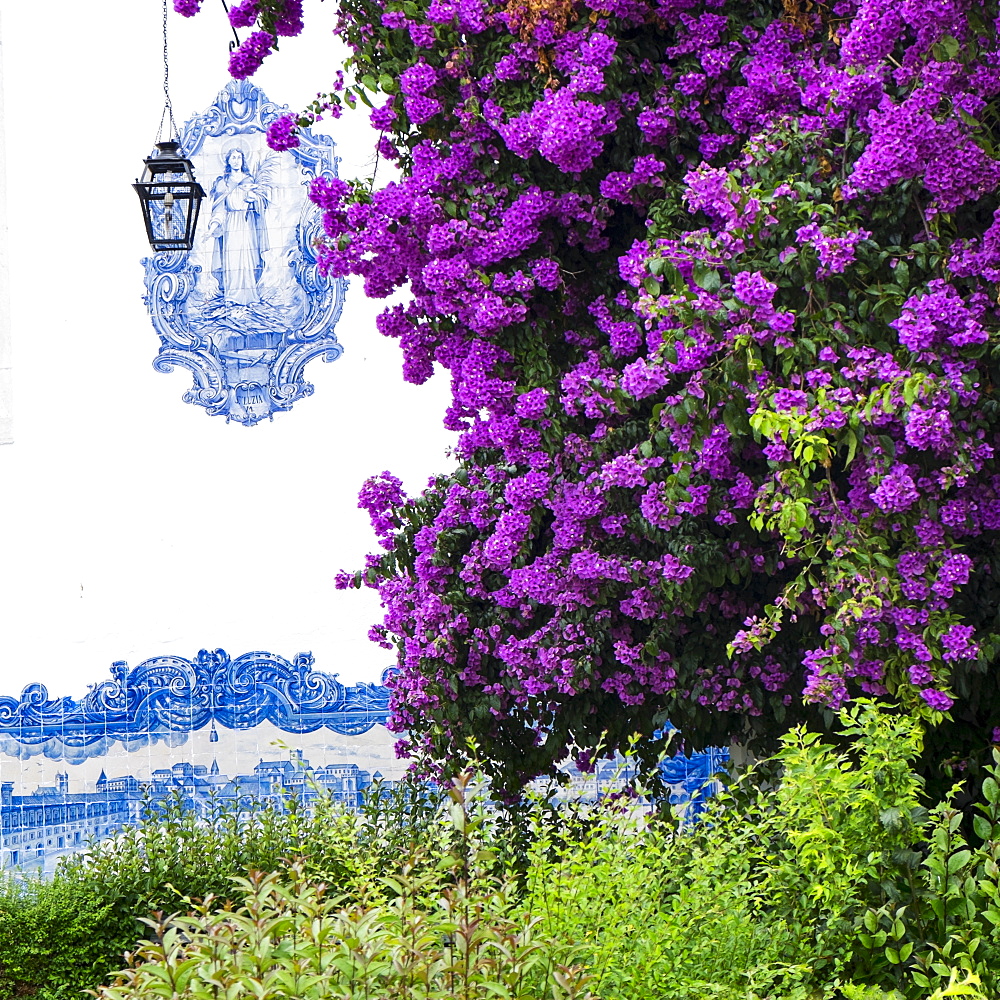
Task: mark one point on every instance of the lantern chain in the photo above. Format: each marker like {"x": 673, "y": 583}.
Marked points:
{"x": 233, "y": 46}
{"x": 168, "y": 108}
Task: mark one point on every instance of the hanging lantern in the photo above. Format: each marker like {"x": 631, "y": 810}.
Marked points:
{"x": 170, "y": 195}
{"x": 171, "y": 198}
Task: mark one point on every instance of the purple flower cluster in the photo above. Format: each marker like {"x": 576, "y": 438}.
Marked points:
{"x": 383, "y": 497}
{"x": 939, "y": 317}
{"x": 719, "y": 376}
{"x": 247, "y": 59}
{"x": 937, "y": 700}
{"x": 282, "y": 133}
{"x": 957, "y": 643}
{"x": 289, "y": 21}
{"x": 896, "y": 491}
{"x": 243, "y": 15}
{"x": 834, "y": 253}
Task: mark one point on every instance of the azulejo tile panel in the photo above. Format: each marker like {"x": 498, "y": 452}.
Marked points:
{"x": 213, "y": 729}
{"x": 246, "y": 309}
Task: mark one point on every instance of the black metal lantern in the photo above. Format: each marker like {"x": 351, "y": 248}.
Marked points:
{"x": 171, "y": 198}
{"x": 170, "y": 195}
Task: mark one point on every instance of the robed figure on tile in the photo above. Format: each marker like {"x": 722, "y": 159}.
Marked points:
{"x": 238, "y": 203}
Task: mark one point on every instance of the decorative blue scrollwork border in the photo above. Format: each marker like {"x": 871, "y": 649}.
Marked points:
{"x": 169, "y": 694}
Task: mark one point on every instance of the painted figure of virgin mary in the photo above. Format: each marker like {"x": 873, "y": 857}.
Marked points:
{"x": 238, "y": 203}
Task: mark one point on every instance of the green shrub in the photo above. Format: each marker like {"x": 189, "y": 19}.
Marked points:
{"x": 820, "y": 875}
{"x": 942, "y": 912}
{"x": 762, "y": 895}
{"x": 289, "y": 939}
{"x": 67, "y": 933}
{"x": 55, "y": 938}
{"x": 435, "y": 922}
{"x": 770, "y": 894}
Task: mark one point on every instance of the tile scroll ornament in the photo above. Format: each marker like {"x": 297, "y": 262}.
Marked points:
{"x": 693, "y": 778}
{"x": 246, "y": 309}
{"x": 170, "y": 694}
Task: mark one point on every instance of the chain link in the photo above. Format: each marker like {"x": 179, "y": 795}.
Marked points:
{"x": 168, "y": 108}
{"x": 232, "y": 46}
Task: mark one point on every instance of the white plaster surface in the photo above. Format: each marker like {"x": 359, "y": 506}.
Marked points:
{"x": 6, "y": 382}
{"x": 133, "y": 523}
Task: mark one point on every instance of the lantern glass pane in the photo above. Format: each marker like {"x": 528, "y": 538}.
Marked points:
{"x": 170, "y": 221}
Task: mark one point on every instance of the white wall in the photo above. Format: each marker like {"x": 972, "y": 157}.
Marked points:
{"x": 6, "y": 388}
{"x": 133, "y": 523}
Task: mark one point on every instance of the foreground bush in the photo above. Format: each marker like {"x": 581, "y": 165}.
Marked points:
{"x": 64, "y": 934}
{"x": 838, "y": 874}
{"x": 821, "y": 875}
{"x": 413, "y": 937}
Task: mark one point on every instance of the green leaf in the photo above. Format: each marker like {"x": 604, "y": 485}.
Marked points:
{"x": 990, "y": 791}
{"x": 706, "y": 277}
{"x": 852, "y": 446}
{"x": 956, "y": 862}
{"x": 945, "y": 49}
{"x": 983, "y": 827}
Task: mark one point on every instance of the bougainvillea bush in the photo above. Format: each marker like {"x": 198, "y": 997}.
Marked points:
{"x": 715, "y": 282}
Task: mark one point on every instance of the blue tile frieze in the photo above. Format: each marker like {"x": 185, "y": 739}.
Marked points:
{"x": 170, "y": 694}
{"x": 693, "y": 778}
{"x": 216, "y": 732}
{"x": 246, "y": 309}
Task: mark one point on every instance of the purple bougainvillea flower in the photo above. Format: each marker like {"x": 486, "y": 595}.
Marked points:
{"x": 247, "y": 59}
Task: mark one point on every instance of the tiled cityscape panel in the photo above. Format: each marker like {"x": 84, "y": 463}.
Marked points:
{"x": 256, "y": 726}
{"x": 211, "y": 731}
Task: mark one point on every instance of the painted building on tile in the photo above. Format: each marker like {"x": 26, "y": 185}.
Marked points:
{"x": 38, "y": 828}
